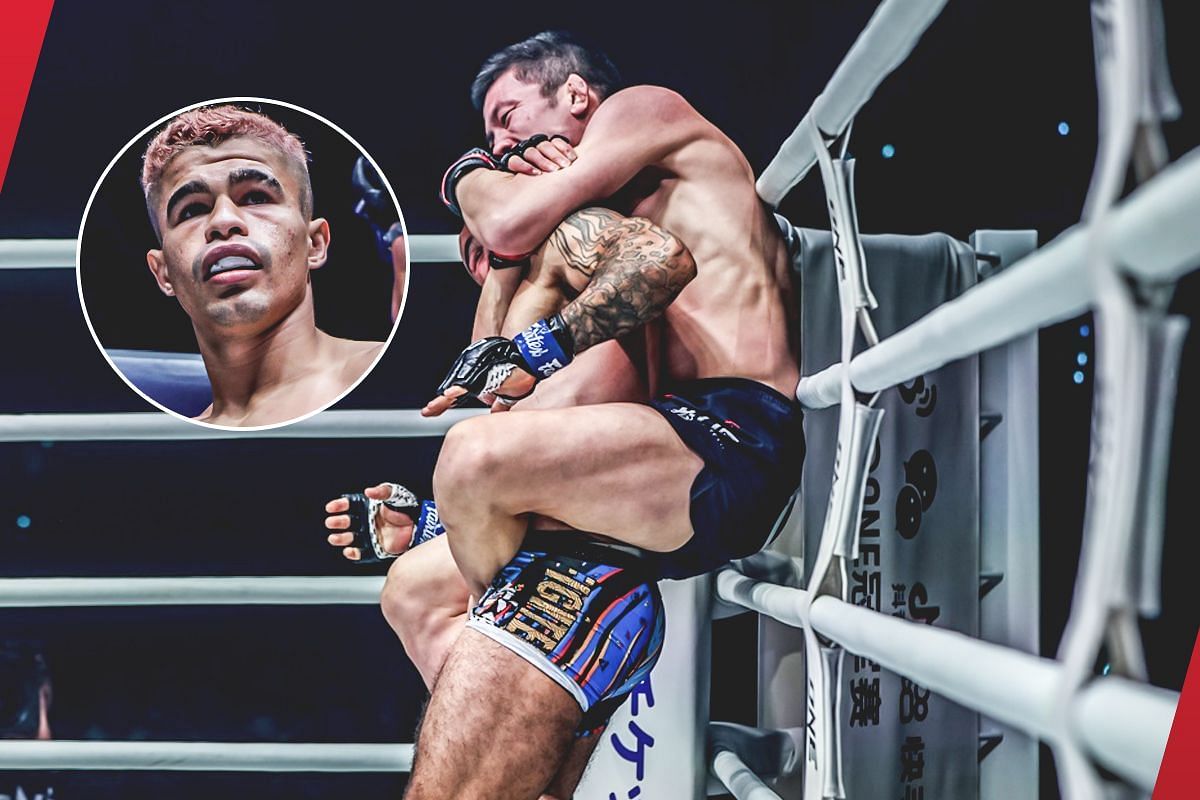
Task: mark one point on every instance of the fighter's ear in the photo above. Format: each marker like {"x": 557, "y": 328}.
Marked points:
{"x": 578, "y": 94}
{"x": 318, "y": 243}
{"x": 158, "y": 266}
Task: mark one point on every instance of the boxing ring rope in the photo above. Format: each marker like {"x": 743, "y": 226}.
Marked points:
{"x": 738, "y": 778}
{"x": 884, "y": 43}
{"x": 1152, "y": 233}
{"x": 198, "y": 756}
{"x": 1123, "y": 724}
{"x": 770, "y": 599}
{"x": 200, "y": 590}
{"x": 257, "y": 590}
{"x": 1017, "y": 688}
{"x": 206, "y": 756}
{"x": 438, "y": 248}
{"x": 157, "y": 427}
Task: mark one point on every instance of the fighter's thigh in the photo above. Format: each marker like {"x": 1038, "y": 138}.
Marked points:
{"x": 564, "y": 784}
{"x": 617, "y": 469}
{"x": 496, "y": 727}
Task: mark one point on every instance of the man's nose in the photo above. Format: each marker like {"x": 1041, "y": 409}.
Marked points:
{"x": 503, "y": 143}
{"x": 225, "y": 220}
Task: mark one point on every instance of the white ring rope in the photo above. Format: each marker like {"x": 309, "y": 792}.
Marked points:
{"x": 1102, "y": 609}
{"x": 1122, "y": 724}
{"x": 204, "y": 590}
{"x": 158, "y": 427}
{"x": 1153, "y": 234}
{"x": 37, "y": 253}
{"x": 1135, "y": 746}
{"x": 1013, "y": 687}
{"x": 884, "y": 43}
{"x": 777, "y": 602}
{"x": 60, "y": 253}
{"x": 738, "y": 779}
{"x": 206, "y": 756}
{"x": 432, "y": 248}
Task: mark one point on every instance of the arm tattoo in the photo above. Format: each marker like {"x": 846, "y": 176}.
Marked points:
{"x": 636, "y": 270}
{"x": 582, "y": 236}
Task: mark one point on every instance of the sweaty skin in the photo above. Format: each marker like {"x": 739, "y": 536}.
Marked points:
{"x": 622, "y": 273}
{"x": 266, "y": 359}
{"x": 644, "y": 149}
{"x": 646, "y": 152}
{"x": 425, "y": 597}
{"x": 619, "y": 468}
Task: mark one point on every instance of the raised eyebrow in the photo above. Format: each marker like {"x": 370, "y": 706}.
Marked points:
{"x": 191, "y": 187}
{"x": 253, "y": 175}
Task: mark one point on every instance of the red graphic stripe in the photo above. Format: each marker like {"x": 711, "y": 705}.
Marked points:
{"x": 1179, "y": 774}
{"x": 21, "y": 36}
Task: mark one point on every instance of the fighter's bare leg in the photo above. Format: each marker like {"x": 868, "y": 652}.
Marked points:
{"x": 616, "y": 469}
{"x": 425, "y": 601}
{"x": 480, "y": 744}
{"x": 563, "y": 786}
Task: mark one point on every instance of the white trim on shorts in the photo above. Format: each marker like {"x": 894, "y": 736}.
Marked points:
{"x": 534, "y": 655}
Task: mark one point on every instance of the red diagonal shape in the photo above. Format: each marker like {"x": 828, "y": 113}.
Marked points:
{"x": 21, "y": 34}
{"x": 1179, "y": 775}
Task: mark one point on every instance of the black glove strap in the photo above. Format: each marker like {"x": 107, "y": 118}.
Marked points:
{"x": 503, "y": 262}
{"x": 473, "y": 159}
{"x": 484, "y": 365}
{"x": 520, "y": 147}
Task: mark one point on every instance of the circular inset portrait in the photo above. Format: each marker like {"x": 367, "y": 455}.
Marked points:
{"x": 242, "y": 263}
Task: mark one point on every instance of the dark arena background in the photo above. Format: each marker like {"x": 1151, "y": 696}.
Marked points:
{"x": 990, "y": 123}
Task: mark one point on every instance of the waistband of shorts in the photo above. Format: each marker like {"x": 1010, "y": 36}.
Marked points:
{"x": 586, "y": 547}
{"x": 710, "y": 384}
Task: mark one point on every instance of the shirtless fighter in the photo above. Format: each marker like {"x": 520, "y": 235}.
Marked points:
{"x": 698, "y": 475}
{"x": 620, "y": 609}
{"x": 231, "y": 203}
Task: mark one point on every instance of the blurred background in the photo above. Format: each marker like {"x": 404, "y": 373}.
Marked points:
{"x": 991, "y": 123}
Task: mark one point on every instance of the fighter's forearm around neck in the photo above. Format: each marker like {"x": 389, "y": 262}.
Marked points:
{"x": 634, "y": 129}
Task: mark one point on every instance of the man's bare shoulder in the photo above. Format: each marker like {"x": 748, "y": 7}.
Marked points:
{"x": 569, "y": 254}
{"x": 645, "y": 99}
{"x": 657, "y": 118}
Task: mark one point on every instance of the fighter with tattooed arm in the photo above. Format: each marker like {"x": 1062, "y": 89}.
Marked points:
{"x": 692, "y": 479}
{"x": 425, "y": 598}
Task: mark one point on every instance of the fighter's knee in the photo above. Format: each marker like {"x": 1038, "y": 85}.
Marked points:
{"x": 473, "y": 450}
{"x": 397, "y": 600}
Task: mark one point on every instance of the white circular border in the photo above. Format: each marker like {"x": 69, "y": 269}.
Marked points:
{"x": 140, "y": 137}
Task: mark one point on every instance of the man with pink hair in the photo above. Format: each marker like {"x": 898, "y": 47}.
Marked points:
{"x": 229, "y": 197}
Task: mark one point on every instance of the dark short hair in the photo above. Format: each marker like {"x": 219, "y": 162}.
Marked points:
{"x": 548, "y": 58}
